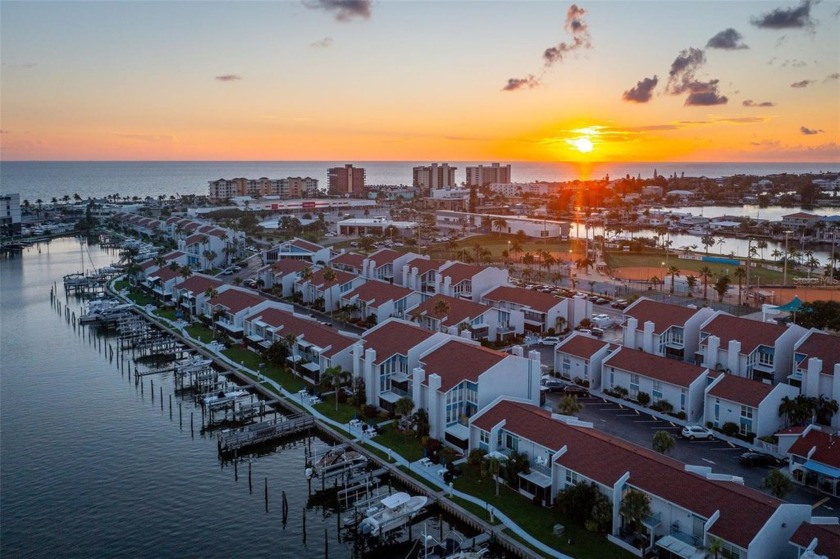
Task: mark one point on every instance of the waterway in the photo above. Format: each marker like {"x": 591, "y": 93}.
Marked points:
{"x": 90, "y": 466}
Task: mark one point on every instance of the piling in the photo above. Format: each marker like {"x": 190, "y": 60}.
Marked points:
{"x": 152, "y": 389}
{"x": 266, "y": 494}
{"x": 180, "y": 416}
{"x": 250, "y": 485}
{"x": 235, "y": 470}
{"x": 170, "y": 407}
{"x": 286, "y": 508}
{"x": 161, "y": 398}
{"x": 304, "y": 525}
{"x": 192, "y": 432}
{"x": 326, "y": 544}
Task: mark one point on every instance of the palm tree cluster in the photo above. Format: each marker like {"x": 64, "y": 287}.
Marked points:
{"x": 802, "y": 409}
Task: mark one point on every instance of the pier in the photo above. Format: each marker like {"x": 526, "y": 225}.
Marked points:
{"x": 265, "y": 432}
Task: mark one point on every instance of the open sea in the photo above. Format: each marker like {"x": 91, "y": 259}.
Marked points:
{"x": 45, "y": 180}
{"x": 91, "y": 466}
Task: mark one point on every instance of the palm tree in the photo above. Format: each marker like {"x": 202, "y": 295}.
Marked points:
{"x": 499, "y": 224}
{"x": 528, "y": 259}
{"x": 722, "y": 286}
{"x": 440, "y": 308}
{"x": 778, "y": 483}
{"x": 569, "y": 405}
{"x": 329, "y": 276}
{"x": 824, "y": 409}
{"x": 185, "y": 271}
{"x": 332, "y": 377}
{"x": 691, "y": 280}
{"x": 789, "y": 409}
{"x": 673, "y": 271}
{"x": 705, "y": 272}
{"x": 740, "y": 273}
{"x": 516, "y": 248}
{"x": 494, "y": 466}
{"x": 290, "y": 340}
{"x": 635, "y": 506}
{"x": 708, "y": 241}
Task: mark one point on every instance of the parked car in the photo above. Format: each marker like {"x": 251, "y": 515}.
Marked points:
{"x": 601, "y": 301}
{"x": 619, "y": 304}
{"x": 550, "y": 341}
{"x": 554, "y": 385}
{"x": 227, "y": 272}
{"x": 597, "y": 332}
{"x": 757, "y": 459}
{"x": 575, "y": 389}
{"x": 692, "y": 432}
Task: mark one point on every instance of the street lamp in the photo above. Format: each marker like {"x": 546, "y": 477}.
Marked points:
{"x": 784, "y": 269}
{"x": 662, "y": 277}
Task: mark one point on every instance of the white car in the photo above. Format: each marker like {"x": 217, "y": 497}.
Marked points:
{"x": 550, "y": 341}
{"x": 692, "y": 432}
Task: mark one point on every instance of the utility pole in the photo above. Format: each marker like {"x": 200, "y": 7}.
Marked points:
{"x": 784, "y": 270}
{"x": 749, "y": 255}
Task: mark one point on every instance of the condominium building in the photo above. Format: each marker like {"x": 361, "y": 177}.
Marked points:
{"x": 511, "y": 189}
{"x": 434, "y": 176}
{"x": 291, "y": 187}
{"x": 346, "y": 181}
{"x": 485, "y": 175}
{"x": 10, "y": 215}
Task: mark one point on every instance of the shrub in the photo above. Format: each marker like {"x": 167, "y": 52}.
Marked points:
{"x": 663, "y": 406}
{"x": 475, "y": 456}
{"x": 643, "y": 398}
{"x": 729, "y": 429}
{"x": 370, "y": 411}
{"x": 681, "y": 415}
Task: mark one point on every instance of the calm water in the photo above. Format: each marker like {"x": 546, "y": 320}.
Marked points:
{"x": 46, "y": 180}
{"x": 90, "y": 467}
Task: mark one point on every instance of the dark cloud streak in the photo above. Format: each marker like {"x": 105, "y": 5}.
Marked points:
{"x": 345, "y": 10}
{"x": 515, "y": 84}
{"x": 809, "y": 131}
{"x": 791, "y": 18}
{"x": 643, "y": 91}
{"x": 751, "y": 103}
{"x": 728, "y": 39}
{"x": 801, "y": 84}
{"x": 228, "y": 78}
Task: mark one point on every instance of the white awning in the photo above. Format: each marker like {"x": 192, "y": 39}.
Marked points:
{"x": 294, "y": 358}
{"x": 459, "y": 431}
{"x": 679, "y": 548}
{"x": 309, "y": 366}
{"x": 389, "y": 397}
{"x": 537, "y": 478}
{"x": 230, "y": 327}
{"x": 399, "y": 377}
{"x": 254, "y": 338}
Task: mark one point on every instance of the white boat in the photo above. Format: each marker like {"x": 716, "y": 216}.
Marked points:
{"x": 334, "y": 460}
{"x": 397, "y": 509}
{"x": 102, "y": 309}
{"x": 224, "y": 397}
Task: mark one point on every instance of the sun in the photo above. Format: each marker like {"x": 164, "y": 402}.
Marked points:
{"x": 583, "y": 145}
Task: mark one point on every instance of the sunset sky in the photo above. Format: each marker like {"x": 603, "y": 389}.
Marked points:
{"x": 421, "y": 80}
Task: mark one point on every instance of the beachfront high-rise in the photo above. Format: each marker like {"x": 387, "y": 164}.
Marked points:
{"x": 10, "y": 215}
{"x": 434, "y": 177}
{"x": 481, "y": 175}
{"x": 346, "y": 181}
{"x": 290, "y": 187}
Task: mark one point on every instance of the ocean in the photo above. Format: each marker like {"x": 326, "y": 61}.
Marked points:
{"x": 45, "y": 180}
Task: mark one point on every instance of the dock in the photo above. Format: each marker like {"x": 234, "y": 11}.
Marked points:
{"x": 265, "y": 432}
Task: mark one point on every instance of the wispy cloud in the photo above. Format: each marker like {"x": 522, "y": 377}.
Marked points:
{"x": 324, "y": 43}
{"x": 801, "y": 84}
{"x": 344, "y": 10}
{"x": 728, "y": 39}
{"x": 751, "y": 103}
{"x": 150, "y": 138}
{"x": 228, "y": 78}
{"x": 790, "y": 18}
{"x": 683, "y": 69}
{"x": 793, "y": 63}
{"x": 642, "y": 92}
{"x": 810, "y": 131}
{"x": 581, "y": 39}
{"x": 521, "y": 83}
{"x": 834, "y": 76}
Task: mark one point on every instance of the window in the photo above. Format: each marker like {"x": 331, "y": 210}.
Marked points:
{"x": 484, "y": 440}
{"x": 656, "y": 394}
{"x": 572, "y": 478}
{"x": 745, "y": 425}
{"x": 682, "y": 399}
{"x": 634, "y": 385}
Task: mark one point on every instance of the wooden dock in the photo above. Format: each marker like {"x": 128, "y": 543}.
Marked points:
{"x": 265, "y": 432}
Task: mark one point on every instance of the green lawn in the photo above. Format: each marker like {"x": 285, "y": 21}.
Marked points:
{"x": 167, "y": 313}
{"x": 119, "y": 285}
{"x": 200, "y": 333}
{"x": 496, "y": 244}
{"x": 408, "y": 447}
{"x": 344, "y": 414}
{"x": 139, "y": 298}
{"x": 538, "y": 521}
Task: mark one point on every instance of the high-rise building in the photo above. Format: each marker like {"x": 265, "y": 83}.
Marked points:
{"x": 484, "y": 175}
{"x": 346, "y": 181}
{"x": 291, "y": 187}
{"x": 434, "y": 177}
{"x": 10, "y": 215}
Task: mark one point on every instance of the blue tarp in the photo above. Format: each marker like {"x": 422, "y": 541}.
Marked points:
{"x": 821, "y": 469}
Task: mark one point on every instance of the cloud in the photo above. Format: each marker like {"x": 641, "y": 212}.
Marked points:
{"x": 151, "y": 138}
{"x": 228, "y": 78}
{"x": 834, "y": 76}
{"x": 324, "y": 43}
{"x": 345, "y": 10}
{"x": 4, "y": 131}
{"x": 803, "y": 83}
{"x": 580, "y": 37}
{"x": 810, "y": 131}
{"x": 794, "y": 63}
{"x": 791, "y": 18}
{"x": 514, "y": 84}
{"x": 642, "y": 92}
{"x": 683, "y": 69}
{"x": 728, "y": 39}
{"x": 704, "y": 94}
{"x": 751, "y": 103}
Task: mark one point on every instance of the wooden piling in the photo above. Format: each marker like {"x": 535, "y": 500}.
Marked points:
{"x": 285, "y": 507}
{"x": 304, "y": 525}
{"x": 235, "y": 470}
{"x": 170, "y": 407}
{"x": 326, "y": 544}
{"x": 152, "y": 389}
{"x": 161, "y": 397}
{"x": 266, "y": 494}
{"x": 192, "y": 432}
{"x": 250, "y": 485}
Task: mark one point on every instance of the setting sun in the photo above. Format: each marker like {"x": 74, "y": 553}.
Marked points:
{"x": 583, "y": 145}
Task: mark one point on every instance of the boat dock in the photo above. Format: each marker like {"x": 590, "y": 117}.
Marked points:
{"x": 265, "y": 432}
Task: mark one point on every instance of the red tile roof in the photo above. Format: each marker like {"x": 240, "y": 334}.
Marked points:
{"x": 828, "y": 538}
{"x": 822, "y": 346}
{"x": 456, "y": 361}
{"x": 206, "y": 228}
{"x": 289, "y": 266}
{"x": 751, "y": 333}
{"x": 305, "y": 245}
{"x": 311, "y": 331}
{"x": 351, "y": 259}
{"x": 397, "y": 337}
{"x": 146, "y": 264}
{"x": 375, "y": 292}
{"x": 535, "y": 300}
{"x": 198, "y": 284}
{"x": 828, "y": 448}
{"x": 460, "y": 272}
{"x": 801, "y": 215}
{"x": 164, "y": 274}
{"x": 235, "y": 300}
{"x": 460, "y": 310}
{"x": 189, "y": 226}
{"x": 196, "y": 239}
{"x": 581, "y": 346}
{"x": 341, "y": 278}
{"x": 741, "y": 390}
{"x": 743, "y": 511}
{"x": 424, "y": 265}
{"x": 652, "y": 366}
{"x": 174, "y": 255}
{"x": 384, "y": 256}
{"x": 172, "y": 220}
{"x": 663, "y": 315}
